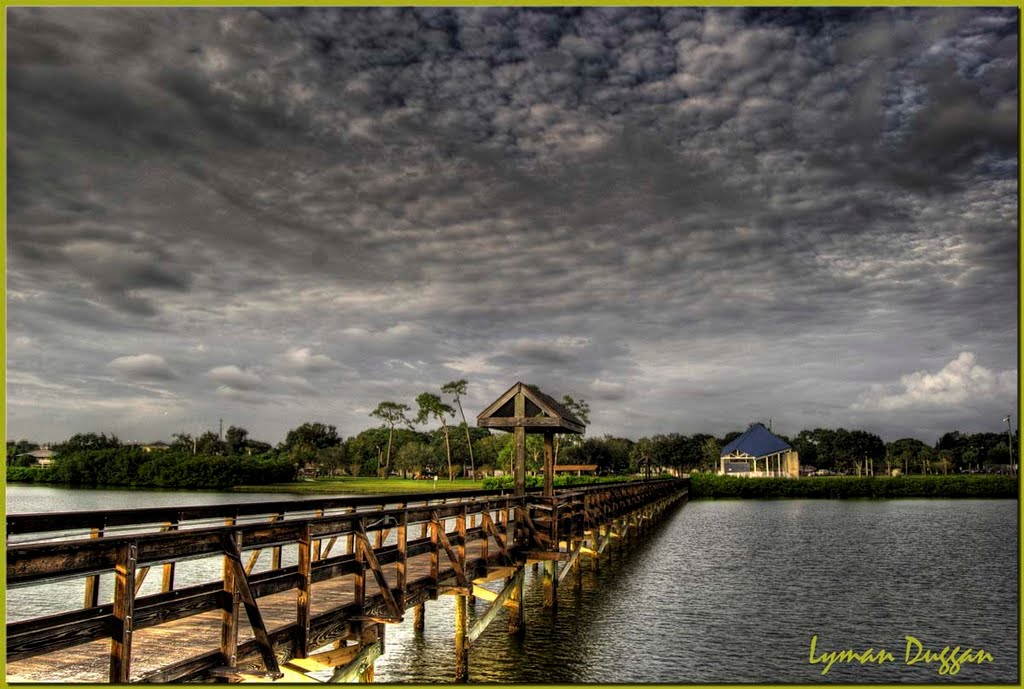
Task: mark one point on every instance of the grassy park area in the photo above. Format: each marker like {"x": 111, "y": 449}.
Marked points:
{"x": 364, "y": 485}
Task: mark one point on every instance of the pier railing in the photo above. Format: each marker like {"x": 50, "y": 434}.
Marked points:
{"x": 381, "y": 555}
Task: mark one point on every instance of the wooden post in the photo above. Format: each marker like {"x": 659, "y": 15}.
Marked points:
{"x": 516, "y": 614}
{"x": 400, "y": 569}
{"x": 302, "y": 614}
{"x": 435, "y": 554}
{"x": 460, "y": 529}
{"x": 366, "y": 639}
{"x": 519, "y": 463}
{"x": 551, "y": 584}
{"x": 485, "y": 518}
{"x": 461, "y": 645}
{"x": 379, "y": 540}
{"x": 92, "y": 583}
{"x": 577, "y": 565}
{"x": 168, "y": 574}
{"x": 419, "y": 615}
{"x": 229, "y": 618}
{"x": 359, "y": 578}
{"x": 549, "y": 464}
{"x": 124, "y": 611}
{"x": 350, "y": 541}
{"x": 317, "y": 544}
{"x": 275, "y": 553}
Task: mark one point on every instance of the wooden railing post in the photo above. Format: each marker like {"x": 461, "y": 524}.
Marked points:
{"x": 302, "y": 612}
{"x": 350, "y": 541}
{"x": 124, "y": 611}
{"x": 275, "y": 553}
{"x": 317, "y": 544}
{"x": 359, "y": 587}
{"x": 229, "y": 617}
{"x": 400, "y": 570}
{"x": 435, "y": 554}
{"x": 460, "y": 529}
{"x": 168, "y": 574}
{"x": 92, "y": 583}
{"x": 379, "y": 539}
{"x": 483, "y": 526}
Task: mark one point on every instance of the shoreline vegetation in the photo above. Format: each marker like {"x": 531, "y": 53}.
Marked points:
{"x": 702, "y": 485}
{"x": 712, "y": 486}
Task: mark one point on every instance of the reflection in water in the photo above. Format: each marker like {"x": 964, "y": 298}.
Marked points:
{"x": 733, "y": 591}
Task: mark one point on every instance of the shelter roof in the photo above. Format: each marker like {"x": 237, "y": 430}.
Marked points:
{"x": 758, "y": 441}
{"x": 542, "y": 413}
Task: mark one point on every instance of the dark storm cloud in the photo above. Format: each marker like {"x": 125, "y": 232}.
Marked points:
{"x": 691, "y": 215}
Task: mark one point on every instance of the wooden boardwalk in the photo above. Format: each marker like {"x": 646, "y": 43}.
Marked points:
{"x": 174, "y": 642}
{"x": 361, "y": 563}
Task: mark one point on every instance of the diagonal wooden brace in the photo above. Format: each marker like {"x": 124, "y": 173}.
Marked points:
{"x": 460, "y": 574}
{"x": 541, "y": 539}
{"x": 378, "y": 573}
{"x": 252, "y": 610}
{"x": 568, "y": 565}
{"x": 492, "y": 528}
{"x": 350, "y": 672}
{"x": 498, "y": 603}
{"x": 256, "y": 553}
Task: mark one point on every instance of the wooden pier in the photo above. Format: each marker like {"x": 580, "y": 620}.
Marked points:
{"x": 320, "y": 615}
{"x": 361, "y": 564}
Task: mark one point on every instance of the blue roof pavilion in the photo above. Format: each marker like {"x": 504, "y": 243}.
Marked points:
{"x": 759, "y": 446}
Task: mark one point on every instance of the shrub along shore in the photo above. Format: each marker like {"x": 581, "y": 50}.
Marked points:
{"x": 961, "y": 486}
{"x": 138, "y": 469}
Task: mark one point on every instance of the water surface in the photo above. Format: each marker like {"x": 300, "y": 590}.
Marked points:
{"x": 720, "y": 591}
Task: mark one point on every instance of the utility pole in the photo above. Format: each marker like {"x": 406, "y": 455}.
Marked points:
{"x": 220, "y": 433}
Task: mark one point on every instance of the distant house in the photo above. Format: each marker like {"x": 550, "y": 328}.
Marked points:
{"x": 158, "y": 445}
{"x": 43, "y": 457}
{"x": 578, "y": 469}
{"x": 759, "y": 452}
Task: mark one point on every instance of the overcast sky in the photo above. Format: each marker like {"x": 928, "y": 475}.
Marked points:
{"x": 693, "y": 219}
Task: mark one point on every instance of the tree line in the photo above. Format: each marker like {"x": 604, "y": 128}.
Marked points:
{"x": 449, "y": 446}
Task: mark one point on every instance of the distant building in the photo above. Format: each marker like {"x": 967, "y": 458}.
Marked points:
{"x": 759, "y": 452}
{"x": 43, "y": 456}
{"x": 578, "y": 469}
{"x": 158, "y": 445}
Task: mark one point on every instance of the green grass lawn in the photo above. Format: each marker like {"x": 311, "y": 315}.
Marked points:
{"x": 365, "y": 485}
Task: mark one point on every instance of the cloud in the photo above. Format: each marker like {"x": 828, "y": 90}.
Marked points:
{"x": 295, "y": 384}
{"x": 690, "y": 203}
{"x": 607, "y": 391}
{"x": 233, "y": 377}
{"x": 959, "y": 384}
{"x": 303, "y": 359}
{"x": 142, "y": 366}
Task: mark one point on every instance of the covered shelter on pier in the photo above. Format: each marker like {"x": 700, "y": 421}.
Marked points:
{"x": 525, "y": 409}
{"x": 759, "y": 452}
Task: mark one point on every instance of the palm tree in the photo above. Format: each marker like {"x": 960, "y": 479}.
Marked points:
{"x": 391, "y": 413}
{"x": 458, "y": 388}
{"x": 431, "y": 406}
